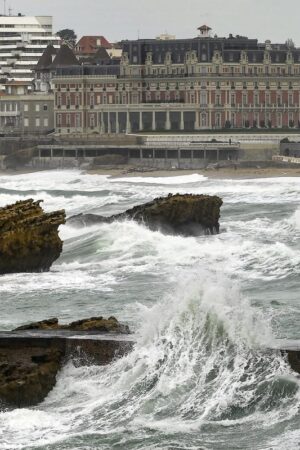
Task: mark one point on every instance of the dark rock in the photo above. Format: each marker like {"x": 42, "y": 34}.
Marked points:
{"x": 189, "y": 215}
{"x": 293, "y": 357}
{"x": 27, "y": 375}
{"x": 29, "y": 240}
{"x": 97, "y": 324}
{"x": 32, "y": 355}
{"x": 49, "y": 324}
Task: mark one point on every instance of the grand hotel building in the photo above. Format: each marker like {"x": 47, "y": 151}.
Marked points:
{"x": 194, "y": 84}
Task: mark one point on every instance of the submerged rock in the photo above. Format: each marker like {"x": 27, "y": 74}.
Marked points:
{"x": 29, "y": 240}
{"x": 189, "y": 215}
{"x": 97, "y": 324}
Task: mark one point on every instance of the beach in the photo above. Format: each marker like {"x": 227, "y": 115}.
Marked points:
{"x": 222, "y": 173}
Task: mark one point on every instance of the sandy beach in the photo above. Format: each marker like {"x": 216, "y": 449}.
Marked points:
{"x": 222, "y": 173}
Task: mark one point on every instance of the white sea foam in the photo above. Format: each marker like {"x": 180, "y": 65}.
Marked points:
{"x": 197, "y": 357}
{"x": 198, "y": 371}
{"x": 175, "y": 180}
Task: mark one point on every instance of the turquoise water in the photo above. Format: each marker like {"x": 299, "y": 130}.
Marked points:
{"x": 203, "y": 309}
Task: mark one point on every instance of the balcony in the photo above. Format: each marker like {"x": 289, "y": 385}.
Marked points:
{"x": 163, "y": 101}
{"x": 9, "y": 113}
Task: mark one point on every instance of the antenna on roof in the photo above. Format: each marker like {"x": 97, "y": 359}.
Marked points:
{"x": 4, "y": 7}
{"x": 10, "y": 11}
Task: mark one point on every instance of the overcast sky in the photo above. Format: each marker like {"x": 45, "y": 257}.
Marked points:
{"x": 126, "y": 19}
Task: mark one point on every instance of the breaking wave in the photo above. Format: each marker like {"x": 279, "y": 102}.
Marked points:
{"x": 206, "y": 313}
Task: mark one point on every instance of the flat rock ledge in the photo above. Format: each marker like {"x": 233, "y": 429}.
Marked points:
{"x": 187, "y": 215}
{"x": 96, "y": 324}
{"x": 31, "y": 356}
{"x": 29, "y": 240}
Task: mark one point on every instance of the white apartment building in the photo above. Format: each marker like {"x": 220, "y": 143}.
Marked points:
{"x": 23, "y": 40}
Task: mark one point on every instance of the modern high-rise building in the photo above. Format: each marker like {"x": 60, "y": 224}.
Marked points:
{"x": 23, "y": 40}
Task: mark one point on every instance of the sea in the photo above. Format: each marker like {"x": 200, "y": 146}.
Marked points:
{"x": 206, "y": 313}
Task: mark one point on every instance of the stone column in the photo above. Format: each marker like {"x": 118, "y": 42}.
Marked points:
{"x": 197, "y": 123}
{"x": 181, "y": 120}
{"x": 209, "y": 119}
{"x": 153, "y": 121}
{"x": 102, "y": 124}
{"x": 141, "y": 126}
{"x": 108, "y": 123}
{"x": 117, "y": 123}
{"x": 128, "y": 124}
{"x": 168, "y": 121}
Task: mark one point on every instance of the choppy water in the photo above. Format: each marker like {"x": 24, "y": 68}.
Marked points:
{"x": 202, "y": 309}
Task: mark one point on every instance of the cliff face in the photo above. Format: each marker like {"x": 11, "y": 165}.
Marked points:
{"x": 189, "y": 215}
{"x": 29, "y": 240}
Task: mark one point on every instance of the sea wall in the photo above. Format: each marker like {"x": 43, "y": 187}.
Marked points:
{"x": 181, "y": 151}
{"x": 256, "y": 151}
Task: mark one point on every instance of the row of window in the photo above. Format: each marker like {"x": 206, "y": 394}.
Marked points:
{"x": 257, "y": 120}
{"x": 38, "y": 107}
{"x": 38, "y": 122}
{"x": 15, "y": 107}
{"x": 219, "y": 70}
{"x": 68, "y": 120}
{"x": 190, "y": 96}
{"x": 202, "y": 84}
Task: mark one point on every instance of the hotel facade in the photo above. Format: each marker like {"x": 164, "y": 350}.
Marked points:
{"x": 183, "y": 85}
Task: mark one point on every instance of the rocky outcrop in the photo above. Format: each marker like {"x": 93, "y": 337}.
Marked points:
{"x": 29, "y": 240}
{"x": 97, "y": 324}
{"x": 32, "y": 355}
{"x": 188, "y": 214}
{"x": 27, "y": 373}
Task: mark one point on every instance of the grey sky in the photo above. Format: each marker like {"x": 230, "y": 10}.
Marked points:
{"x": 125, "y": 19}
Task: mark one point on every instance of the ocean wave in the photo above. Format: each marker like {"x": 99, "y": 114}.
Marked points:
{"x": 175, "y": 180}
{"x": 197, "y": 364}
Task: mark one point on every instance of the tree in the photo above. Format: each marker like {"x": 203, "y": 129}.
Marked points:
{"x": 68, "y": 37}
